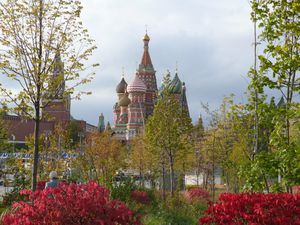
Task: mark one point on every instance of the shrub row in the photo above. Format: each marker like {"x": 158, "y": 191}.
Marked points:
{"x": 70, "y": 204}
{"x": 254, "y": 208}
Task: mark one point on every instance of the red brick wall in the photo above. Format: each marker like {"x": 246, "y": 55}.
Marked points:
{"x": 22, "y": 128}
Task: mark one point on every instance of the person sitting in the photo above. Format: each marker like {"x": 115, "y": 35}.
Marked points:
{"x": 53, "y": 180}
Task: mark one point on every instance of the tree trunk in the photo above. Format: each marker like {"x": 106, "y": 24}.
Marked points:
{"x": 213, "y": 169}
{"x": 205, "y": 176}
{"x": 164, "y": 180}
{"x": 266, "y": 183}
{"x": 172, "y": 175}
{"x": 37, "y": 100}
{"x": 227, "y": 182}
{"x": 36, "y": 148}
{"x": 256, "y": 118}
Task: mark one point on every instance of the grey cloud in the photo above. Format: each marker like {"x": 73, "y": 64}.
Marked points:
{"x": 211, "y": 40}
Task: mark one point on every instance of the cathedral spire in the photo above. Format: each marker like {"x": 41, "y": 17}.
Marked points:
{"x": 57, "y": 82}
{"x": 183, "y": 100}
{"x": 146, "y": 59}
{"x": 58, "y": 65}
{"x": 101, "y": 125}
{"x": 146, "y": 73}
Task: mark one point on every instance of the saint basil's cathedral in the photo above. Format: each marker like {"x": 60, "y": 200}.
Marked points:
{"x": 136, "y": 100}
{"x": 135, "y": 103}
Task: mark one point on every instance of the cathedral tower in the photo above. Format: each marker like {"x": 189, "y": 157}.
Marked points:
{"x": 136, "y": 109}
{"x": 58, "y": 109}
{"x": 146, "y": 73}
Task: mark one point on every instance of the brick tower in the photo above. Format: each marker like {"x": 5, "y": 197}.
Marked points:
{"x": 136, "y": 109}
{"x": 146, "y": 73}
{"x": 58, "y": 109}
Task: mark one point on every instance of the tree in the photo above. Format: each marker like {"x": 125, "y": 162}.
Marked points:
{"x": 3, "y": 135}
{"x": 279, "y": 20}
{"x": 198, "y": 138}
{"x": 102, "y": 158}
{"x": 168, "y": 131}
{"x": 33, "y": 34}
{"x": 142, "y": 160}
{"x": 280, "y": 65}
{"x": 227, "y": 143}
{"x": 72, "y": 136}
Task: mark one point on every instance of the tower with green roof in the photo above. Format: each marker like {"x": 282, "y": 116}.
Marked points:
{"x": 101, "y": 124}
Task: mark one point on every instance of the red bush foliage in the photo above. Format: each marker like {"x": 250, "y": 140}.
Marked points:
{"x": 70, "y": 204}
{"x": 195, "y": 194}
{"x": 140, "y": 196}
{"x": 254, "y": 209}
{"x": 41, "y": 185}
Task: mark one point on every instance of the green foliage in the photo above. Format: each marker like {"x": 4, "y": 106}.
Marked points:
{"x": 278, "y": 21}
{"x": 72, "y": 139}
{"x": 21, "y": 182}
{"x": 279, "y": 68}
{"x": 35, "y": 34}
{"x": 168, "y": 134}
{"x": 4, "y": 145}
{"x": 122, "y": 191}
{"x": 259, "y": 172}
{"x": 175, "y": 211}
{"x": 142, "y": 160}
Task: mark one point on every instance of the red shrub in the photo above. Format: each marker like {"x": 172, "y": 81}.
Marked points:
{"x": 41, "y": 185}
{"x": 140, "y": 196}
{"x": 195, "y": 194}
{"x": 70, "y": 204}
{"x": 254, "y": 208}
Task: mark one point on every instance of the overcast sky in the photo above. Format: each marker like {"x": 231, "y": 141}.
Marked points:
{"x": 210, "y": 40}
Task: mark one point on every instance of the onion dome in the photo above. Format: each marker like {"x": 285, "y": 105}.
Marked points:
{"x": 136, "y": 85}
{"x": 121, "y": 87}
{"x": 175, "y": 85}
{"x": 124, "y": 101}
{"x": 146, "y": 37}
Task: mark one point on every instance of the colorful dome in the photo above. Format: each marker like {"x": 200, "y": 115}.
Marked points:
{"x": 121, "y": 87}
{"x": 124, "y": 101}
{"x": 136, "y": 85}
{"x": 175, "y": 86}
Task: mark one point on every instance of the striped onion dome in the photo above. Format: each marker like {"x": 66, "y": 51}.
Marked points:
{"x": 136, "y": 85}
{"x": 124, "y": 101}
